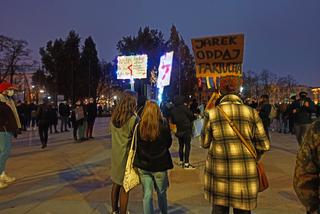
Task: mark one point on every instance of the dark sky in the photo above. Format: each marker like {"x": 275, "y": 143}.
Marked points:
{"x": 280, "y": 35}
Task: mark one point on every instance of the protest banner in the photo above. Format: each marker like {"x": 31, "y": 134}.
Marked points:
{"x": 218, "y": 56}
{"x": 165, "y": 67}
{"x": 132, "y": 67}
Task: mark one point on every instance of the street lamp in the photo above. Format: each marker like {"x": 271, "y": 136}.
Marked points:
{"x": 41, "y": 91}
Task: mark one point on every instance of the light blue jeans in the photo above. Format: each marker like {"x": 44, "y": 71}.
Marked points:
{"x": 159, "y": 181}
{"x": 5, "y": 148}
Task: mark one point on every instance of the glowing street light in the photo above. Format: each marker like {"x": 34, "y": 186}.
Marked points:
{"x": 115, "y": 97}
{"x": 41, "y": 91}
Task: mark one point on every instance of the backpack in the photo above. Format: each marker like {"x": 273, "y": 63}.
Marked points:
{"x": 273, "y": 112}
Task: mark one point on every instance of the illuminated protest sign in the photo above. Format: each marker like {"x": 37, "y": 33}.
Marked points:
{"x": 218, "y": 56}
{"x": 132, "y": 67}
{"x": 165, "y": 68}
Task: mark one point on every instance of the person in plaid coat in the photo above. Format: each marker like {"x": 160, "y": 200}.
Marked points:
{"x": 306, "y": 180}
{"x": 231, "y": 178}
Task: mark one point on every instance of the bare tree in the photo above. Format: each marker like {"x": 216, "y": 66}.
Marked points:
{"x": 251, "y": 84}
{"x": 14, "y": 54}
{"x": 268, "y": 81}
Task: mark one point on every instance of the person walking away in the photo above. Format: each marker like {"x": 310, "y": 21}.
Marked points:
{"x": 123, "y": 121}
{"x": 21, "y": 109}
{"x": 53, "y": 118}
{"x": 92, "y": 114}
{"x": 302, "y": 110}
{"x": 283, "y": 117}
{"x": 79, "y": 118}
{"x": 64, "y": 112}
{"x": 8, "y": 129}
{"x": 231, "y": 178}
{"x": 291, "y": 115}
{"x": 43, "y": 122}
{"x": 264, "y": 112}
{"x": 33, "y": 109}
{"x": 307, "y": 171}
{"x": 152, "y": 157}
{"x": 183, "y": 118}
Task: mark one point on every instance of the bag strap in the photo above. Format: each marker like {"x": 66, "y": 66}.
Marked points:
{"x": 134, "y": 136}
{"x": 250, "y": 148}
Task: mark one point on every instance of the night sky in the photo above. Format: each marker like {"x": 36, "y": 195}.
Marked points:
{"x": 281, "y": 36}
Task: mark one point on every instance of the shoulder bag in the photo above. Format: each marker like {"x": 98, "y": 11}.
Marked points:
{"x": 263, "y": 180}
{"x": 131, "y": 176}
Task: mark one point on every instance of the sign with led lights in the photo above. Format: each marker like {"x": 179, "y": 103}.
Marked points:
{"x": 165, "y": 68}
{"x": 132, "y": 67}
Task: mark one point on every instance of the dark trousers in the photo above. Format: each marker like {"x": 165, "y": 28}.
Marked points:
{"x": 90, "y": 128}
{"x": 75, "y": 129}
{"x": 300, "y": 130}
{"x": 64, "y": 123}
{"x": 55, "y": 128}
{"x": 217, "y": 209}
{"x": 184, "y": 142}
{"x": 43, "y": 133}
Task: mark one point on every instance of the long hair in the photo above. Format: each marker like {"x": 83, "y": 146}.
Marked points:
{"x": 124, "y": 109}
{"x": 151, "y": 117}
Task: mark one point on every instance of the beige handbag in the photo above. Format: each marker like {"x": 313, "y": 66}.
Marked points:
{"x": 131, "y": 176}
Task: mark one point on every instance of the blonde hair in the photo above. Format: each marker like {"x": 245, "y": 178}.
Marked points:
{"x": 151, "y": 117}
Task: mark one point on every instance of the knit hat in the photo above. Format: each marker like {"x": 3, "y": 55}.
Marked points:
{"x": 5, "y": 86}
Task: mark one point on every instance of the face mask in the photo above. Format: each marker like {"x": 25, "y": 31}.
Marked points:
{"x": 10, "y": 93}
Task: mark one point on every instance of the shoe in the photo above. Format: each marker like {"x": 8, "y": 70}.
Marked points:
{"x": 6, "y": 179}
{"x": 181, "y": 163}
{"x": 188, "y": 166}
{"x": 43, "y": 146}
{"x": 3, "y": 185}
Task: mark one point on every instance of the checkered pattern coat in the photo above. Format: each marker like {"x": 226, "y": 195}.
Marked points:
{"x": 230, "y": 173}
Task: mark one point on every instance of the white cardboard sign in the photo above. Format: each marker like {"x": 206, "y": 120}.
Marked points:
{"x": 165, "y": 68}
{"x": 132, "y": 67}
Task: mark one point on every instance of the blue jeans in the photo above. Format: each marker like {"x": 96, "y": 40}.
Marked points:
{"x": 5, "y": 148}
{"x": 158, "y": 180}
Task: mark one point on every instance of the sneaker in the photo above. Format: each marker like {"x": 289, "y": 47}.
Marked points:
{"x": 6, "y": 179}
{"x": 3, "y": 185}
{"x": 188, "y": 166}
{"x": 181, "y": 164}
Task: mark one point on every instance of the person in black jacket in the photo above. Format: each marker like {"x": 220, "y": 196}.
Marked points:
{"x": 43, "y": 117}
{"x": 152, "y": 157}
{"x": 91, "y": 117}
{"x": 53, "y": 118}
{"x": 183, "y": 118}
{"x": 302, "y": 110}
{"x": 264, "y": 112}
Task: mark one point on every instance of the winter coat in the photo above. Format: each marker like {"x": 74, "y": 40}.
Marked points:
{"x": 120, "y": 141}
{"x": 11, "y": 104}
{"x": 7, "y": 120}
{"x": 154, "y": 156}
{"x": 306, "y": 180}
{"x": 43, "y": 115}
{"x": 182, "y": 117}
{"x": 303, "y": 113}
{"x": 231, "y": 178}
{"x": 92, "y": 112}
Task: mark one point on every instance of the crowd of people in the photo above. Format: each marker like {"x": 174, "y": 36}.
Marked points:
{"x": 229, "y": 126}
{"x": 231, "y": 174}
{"x": 20, "y": 117}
